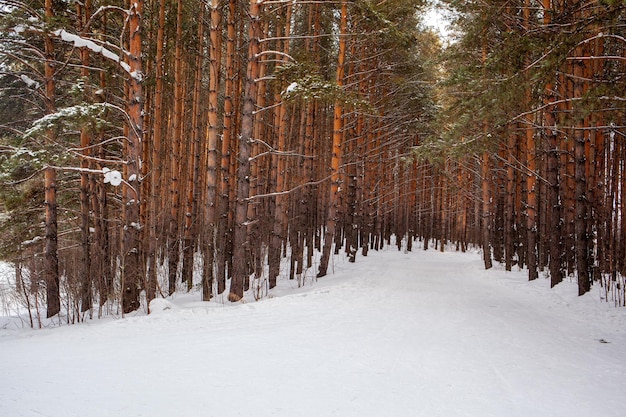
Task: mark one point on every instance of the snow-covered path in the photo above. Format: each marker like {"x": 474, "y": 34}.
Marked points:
{"x": 419, "y": 334}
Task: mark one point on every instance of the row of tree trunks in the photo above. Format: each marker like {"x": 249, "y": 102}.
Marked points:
{"x": 548, "y": 177}
{"x": 261, "y": 144}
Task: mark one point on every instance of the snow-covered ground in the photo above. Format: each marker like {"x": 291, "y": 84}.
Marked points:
{"x": 394, "y": 334}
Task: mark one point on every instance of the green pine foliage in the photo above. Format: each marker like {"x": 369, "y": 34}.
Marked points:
{"x": 497, "y": 61}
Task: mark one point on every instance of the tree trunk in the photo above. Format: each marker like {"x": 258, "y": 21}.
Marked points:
{"x": 51, "y": 260}
{"x": 240, "y": 237}
{"x": 509, "y": 210}
{"x": 531, "y": 206}
{"x": 279, "y": 168}
{"x": 531, "y": 181}
{"x": 554, "y": 204}
{"x": 83, "y": 14}
{"x": 173, "y": 252}
{"x": 331, "y": 219}
{"x": 212, "y": 152}
{"x": 192, "y": 218}
{"x": 486, "y": 215}
{"x": 156, "y": 175}
{"x": 230, "y": 83}
{"x": 581, "y": 210}
{"x": 131, "y": 263}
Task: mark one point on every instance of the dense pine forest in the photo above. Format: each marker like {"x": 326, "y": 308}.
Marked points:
{"x": 147, "y": 147}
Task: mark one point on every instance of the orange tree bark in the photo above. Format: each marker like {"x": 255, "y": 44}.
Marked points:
{"x": 212, "y": 150}
{"x": 331, "y": 217}
{"x": 131, "y": 269}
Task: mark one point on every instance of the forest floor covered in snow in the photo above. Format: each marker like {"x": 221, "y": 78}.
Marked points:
{"x": 394, "y": 334}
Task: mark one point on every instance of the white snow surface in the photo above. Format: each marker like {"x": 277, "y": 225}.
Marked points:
{"x": 394, "y": 334}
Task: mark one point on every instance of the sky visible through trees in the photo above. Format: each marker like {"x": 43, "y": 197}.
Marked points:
{"x": 153, "y": 147}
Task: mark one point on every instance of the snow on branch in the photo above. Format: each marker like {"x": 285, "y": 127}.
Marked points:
{"x": 65, "y": 115}
{"x": 112, "y": 177}
{"x": 29, "y": 82}
{"x": 71, "y": 115}
{"x": 80, "y": 42}
{"x": 279, "y": 53}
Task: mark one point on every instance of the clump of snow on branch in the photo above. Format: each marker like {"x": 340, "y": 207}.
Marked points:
{"x": 312, "y": 87}
{"x": 32, "y": 241}
{"x": 35, "y": 26}
{"x": 112, "y": 177}
{"x": 291, "y": 88}
{"x": 29, "y": 81}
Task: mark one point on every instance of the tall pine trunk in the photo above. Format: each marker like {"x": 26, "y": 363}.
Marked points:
{"x": 555, "y": 249}
{"x": 51, "y": 259}
{"x": 224, "y": 234}
{"x": 131, "y": 264}
{"x": 486, "y": 212}
{"x": 531, "y": 180}
{"x": 173, "y": 244}
{"x": 240, "y": 236}
{"x": 333, "y": 203}
{"x": 581, "y": 204}
{"x": 192, "y": 217}
{"x": 83, "y": 15}
{"x": 154, "y": 216}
